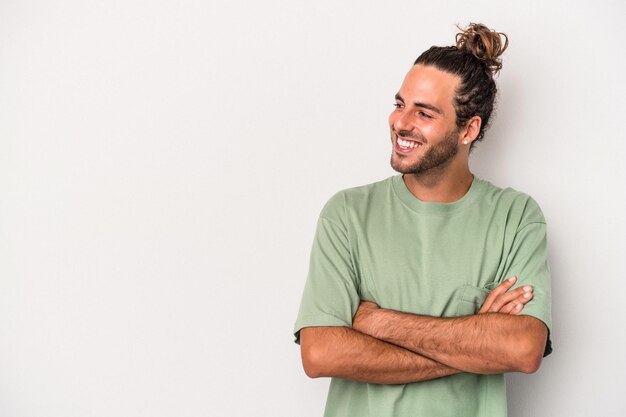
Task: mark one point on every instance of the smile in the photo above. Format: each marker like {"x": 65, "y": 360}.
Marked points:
{"x": 407, "y": 144}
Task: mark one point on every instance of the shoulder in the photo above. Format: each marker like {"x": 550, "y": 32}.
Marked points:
{"x": 513, "y": 203}
{"x": 349, "y": 200}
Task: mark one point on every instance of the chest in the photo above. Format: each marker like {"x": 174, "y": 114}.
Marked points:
{"x": 439, "y": 266}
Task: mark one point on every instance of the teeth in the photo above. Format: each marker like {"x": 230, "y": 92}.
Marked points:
{"x": 407, "y": 143}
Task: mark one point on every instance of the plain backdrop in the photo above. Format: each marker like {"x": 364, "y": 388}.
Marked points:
{"x": 163, "y": 164}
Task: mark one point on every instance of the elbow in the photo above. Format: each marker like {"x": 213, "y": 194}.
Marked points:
{"x": 531, "y": 347}
{"x": 529, "y": 357}
{"x": 313, "y": 366}
{"x": 314, "y": 356}
{"x": 530, "y": 364}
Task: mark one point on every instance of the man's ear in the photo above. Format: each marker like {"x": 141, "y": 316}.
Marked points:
{"x": 471, "y": 130}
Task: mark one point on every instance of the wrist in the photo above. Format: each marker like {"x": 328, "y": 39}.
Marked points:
{"x": 367, "y": 319}
{"x": 377, "y": 322}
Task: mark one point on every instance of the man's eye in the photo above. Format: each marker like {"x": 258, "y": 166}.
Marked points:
{"x": 425, "y": 115}
{"x": 397, "y": 105}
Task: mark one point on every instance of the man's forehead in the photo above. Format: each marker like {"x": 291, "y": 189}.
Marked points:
{"x": 428, "y": 83}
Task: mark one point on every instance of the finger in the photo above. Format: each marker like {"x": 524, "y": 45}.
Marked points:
{"x": 517, "y": 309}
{"x": 493, "y": 295}
{"x": 513, "y": 308}
{"x": 525, "y": 296}
{"x": 509, "y": 308}
{"x": 519, "y": 296}
{"x": 506, "y": 298}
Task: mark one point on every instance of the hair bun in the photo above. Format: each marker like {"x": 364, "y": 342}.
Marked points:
{"x": 484, "y": 43}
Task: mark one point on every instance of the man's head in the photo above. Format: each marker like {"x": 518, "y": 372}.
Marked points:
{"x": 446, "y": 101}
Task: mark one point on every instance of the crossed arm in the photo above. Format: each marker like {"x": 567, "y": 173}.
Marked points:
{"x": 390, "y": 347}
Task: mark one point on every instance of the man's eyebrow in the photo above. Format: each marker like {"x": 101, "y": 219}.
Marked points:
{"x": 429, "y": 107}
{"x": 421, "y": 104}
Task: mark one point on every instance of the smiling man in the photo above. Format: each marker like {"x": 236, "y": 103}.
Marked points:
{"x": 425, "y": 288}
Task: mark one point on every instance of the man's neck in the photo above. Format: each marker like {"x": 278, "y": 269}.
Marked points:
{"x": 442, "y": 187}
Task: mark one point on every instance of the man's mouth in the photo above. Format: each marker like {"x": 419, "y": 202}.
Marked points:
{"x": 407, "y": 144}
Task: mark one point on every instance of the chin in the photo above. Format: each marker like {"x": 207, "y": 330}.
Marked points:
{"x": 403, "y": 167}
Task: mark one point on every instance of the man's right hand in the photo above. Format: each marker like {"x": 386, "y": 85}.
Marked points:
{"x": 501, "y": 300}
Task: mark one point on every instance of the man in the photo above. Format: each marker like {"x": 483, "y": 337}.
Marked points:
{"x": 425, "y": 288}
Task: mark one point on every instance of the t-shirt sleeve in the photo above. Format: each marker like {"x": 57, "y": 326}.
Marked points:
{"x": 528, "y": 261}
{"x": 330, "y": 294}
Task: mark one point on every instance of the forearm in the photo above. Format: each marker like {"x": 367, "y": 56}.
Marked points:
{"x": 483, "y": 343}
{"x": 345, "y": 353}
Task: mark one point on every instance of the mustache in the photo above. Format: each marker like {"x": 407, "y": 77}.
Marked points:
{"x": 405, "y": 134}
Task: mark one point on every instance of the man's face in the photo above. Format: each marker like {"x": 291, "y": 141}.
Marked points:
{"x": 423, "y": 127}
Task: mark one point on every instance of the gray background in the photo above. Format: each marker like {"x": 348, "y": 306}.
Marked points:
{"x": 163, "y": 163}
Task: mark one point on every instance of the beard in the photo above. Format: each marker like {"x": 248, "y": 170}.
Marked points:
{"x": 436, "y": 157}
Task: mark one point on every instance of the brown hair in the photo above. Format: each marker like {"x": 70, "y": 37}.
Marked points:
{"x": 475, "y": 60}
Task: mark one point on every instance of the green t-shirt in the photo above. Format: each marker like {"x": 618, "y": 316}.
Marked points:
{"x": 380, "y": 243}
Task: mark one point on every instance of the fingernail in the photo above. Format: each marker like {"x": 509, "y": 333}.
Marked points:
{"x": 528, "y": 288}
{"x": 512, "y": 279}
{"x": 526, "y": 295}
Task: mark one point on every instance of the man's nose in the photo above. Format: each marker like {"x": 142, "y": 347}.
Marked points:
{"x": 401, "y": 121}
